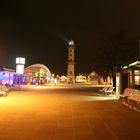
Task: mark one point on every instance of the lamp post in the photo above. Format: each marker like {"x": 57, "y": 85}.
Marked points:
{"x": 139, "y": 50}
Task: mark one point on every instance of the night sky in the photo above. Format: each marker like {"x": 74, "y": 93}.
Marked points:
{"x": 39, "y": 30}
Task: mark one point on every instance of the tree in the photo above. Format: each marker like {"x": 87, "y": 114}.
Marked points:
{"x": 111, "y": 52}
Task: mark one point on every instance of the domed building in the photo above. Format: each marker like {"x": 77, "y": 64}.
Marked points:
{"x": 37, "y": 74}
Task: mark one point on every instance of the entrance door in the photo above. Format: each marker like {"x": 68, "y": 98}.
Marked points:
{"x": 124, "y": 81}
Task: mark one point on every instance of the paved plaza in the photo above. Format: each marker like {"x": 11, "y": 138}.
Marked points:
{"x": 42, "y": 113}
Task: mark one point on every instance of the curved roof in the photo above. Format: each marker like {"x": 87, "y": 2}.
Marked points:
{"x": 39, "y": 65}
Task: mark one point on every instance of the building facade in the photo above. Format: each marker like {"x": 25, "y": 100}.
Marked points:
{"x": 128, "y": 77}
{"x": 81, "y": 79}
{"x": 6, "y": 76}
{"x": 37, "y": 74}
{"x": 71, "y": 63}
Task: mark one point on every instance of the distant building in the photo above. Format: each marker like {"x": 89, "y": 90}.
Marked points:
{"x": 63, "y": 79}
{"x": 71, "y": 63}
{"x": 81, "y": 79}
{"x": 34, "y": 74}
{"x": 6, "y": 76}
{"x": 37, "y": 74}
{"x": 97, "y": 79}
{"x": 94, "y": 78}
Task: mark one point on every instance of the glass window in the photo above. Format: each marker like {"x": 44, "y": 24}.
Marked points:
{"x": 136, "y": 72}
{"x": 137, "y": 80}
{"x": 137, "y": 77}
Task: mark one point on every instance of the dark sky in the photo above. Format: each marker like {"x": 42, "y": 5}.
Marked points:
{"x": 39, "y": 30}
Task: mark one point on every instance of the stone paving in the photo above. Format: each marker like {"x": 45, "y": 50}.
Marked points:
{"x": 65, "y": 115}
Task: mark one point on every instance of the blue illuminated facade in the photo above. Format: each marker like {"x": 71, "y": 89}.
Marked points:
{"x": 6, "y": 76}
{"x": 34, "y": 74}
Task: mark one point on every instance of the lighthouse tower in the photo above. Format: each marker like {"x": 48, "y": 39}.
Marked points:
{"x": 71, "y": 63}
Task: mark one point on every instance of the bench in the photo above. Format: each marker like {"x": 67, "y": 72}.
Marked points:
{"x": 103, "y": 90}
{"x": 127, "y": 93}
{"x": 109, "y": 91}
{"x": 134, "y": 100}
{"x": 3, "y": 90}
{"x": 131, "y": 98}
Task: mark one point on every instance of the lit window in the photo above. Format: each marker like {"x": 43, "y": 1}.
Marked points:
{"x": 20, "y": 69}
{"x": 136, "y": 72}
{"x": 137, "y": 80}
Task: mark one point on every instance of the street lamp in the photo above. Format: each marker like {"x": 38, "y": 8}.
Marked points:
{"x": 139, "y": 49}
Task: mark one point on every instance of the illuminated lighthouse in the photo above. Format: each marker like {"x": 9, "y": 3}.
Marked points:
{"x": 71, "y": 63}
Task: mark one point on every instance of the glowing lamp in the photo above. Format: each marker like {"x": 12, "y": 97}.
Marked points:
{"x": 71, "y": 43}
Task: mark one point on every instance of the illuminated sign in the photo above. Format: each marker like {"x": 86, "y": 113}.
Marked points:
{"x": 20, "y": 60}
{"x": 20, "y": 69}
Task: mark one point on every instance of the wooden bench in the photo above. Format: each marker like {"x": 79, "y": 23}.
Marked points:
{"x": 103, "y": 90}
{"x": 135, "y": 98}
{"x": 109, "y": 91}
{"x": 131, "y": 98}
{"x": 3, "y": 90}
{"x": 3, "y": 93}
{"x": 134, "y": 101}
{"x": 127, "y": 93}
